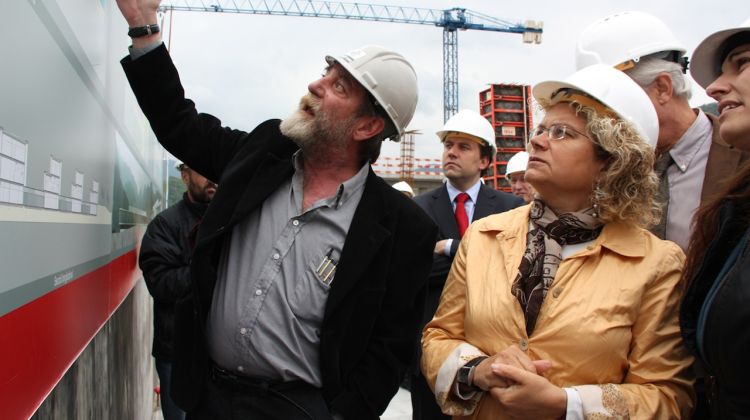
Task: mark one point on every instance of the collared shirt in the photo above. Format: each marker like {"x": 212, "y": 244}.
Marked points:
{"x": 690, "y": 155}
{"x": 473, "y": 192}
{"x": 273, "y": 282}
{"x": 469, "y": 205}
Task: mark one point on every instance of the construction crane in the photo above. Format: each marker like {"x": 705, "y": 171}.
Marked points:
{"x": 451, "y": 20}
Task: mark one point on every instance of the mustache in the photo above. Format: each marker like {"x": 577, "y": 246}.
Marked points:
{"x": 309, "y": 102}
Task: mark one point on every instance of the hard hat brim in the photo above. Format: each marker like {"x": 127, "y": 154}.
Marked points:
{"x": 543, "y": 93}
{"x": 704, "y": 64}
{"x": 443, "y": 134}
{"x": 332, "y": 59}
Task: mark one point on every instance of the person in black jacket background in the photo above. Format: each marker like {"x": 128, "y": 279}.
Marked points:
{"x": 714, "y": 315}
{"x": 165, "y": 262}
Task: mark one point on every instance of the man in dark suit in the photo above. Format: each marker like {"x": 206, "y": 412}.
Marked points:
{"x": 468, "y": 148}
{"x": 309, "y": 272}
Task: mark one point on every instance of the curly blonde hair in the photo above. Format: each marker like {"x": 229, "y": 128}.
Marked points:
{"x": 626, "y": 189}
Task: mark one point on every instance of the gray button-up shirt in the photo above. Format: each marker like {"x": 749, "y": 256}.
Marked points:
{"x": 685, "y": 175}
{"x": 273, "y": 281}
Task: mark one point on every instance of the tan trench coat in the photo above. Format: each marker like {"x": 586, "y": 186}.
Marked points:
{"x": 609, "y": 318}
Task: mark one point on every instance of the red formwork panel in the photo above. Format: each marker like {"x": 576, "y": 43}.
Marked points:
{"x": 503, "y": 155}
{"x": 508, "y": 108}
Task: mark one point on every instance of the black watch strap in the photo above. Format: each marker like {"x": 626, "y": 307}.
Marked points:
{"x": 143, "y": 30}
{"x": 465, "y": 372}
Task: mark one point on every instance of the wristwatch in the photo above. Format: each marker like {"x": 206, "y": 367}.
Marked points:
{"x": 141, "y": 31}
{"x": 465, "y": 373}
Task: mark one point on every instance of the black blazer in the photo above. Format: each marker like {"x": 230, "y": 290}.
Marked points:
{"x": 375, "y": 303}
{"x": 437, "y": 204}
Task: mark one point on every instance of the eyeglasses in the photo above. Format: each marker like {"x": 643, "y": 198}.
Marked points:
{"x": 557, "y": 132}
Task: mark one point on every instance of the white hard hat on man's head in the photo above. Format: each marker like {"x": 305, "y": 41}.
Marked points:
{"x": 404, "y": 187}
{"x": 517, "y": 163}
{"x": 622, "y": 39}
{"x": 705, "y": 65}
{"x": 388, "y": 77}
{"x": 609, "y": 87}
{"x": 469, "y": 122}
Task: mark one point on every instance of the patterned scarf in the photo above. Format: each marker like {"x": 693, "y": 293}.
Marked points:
{"x": 544, "y": 252}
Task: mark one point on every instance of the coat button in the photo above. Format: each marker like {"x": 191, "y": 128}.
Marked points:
{"x": 556, "y": 292}
{"x": 524, "y": 344}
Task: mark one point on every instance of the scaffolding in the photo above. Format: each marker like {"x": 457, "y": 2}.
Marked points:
{"x": 508, "y": 108}
{"x": 406, "y": 165}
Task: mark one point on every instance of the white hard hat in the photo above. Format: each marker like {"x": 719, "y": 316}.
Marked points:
{"x": 622, "y": 39}
{"x": 403, "y": 186}
{"x": 705, "y": 66}
{"x": 389, "y": 78}
{"x": 611, "y": 88}
{"x": 517, "y": 163}
{"x": 469, "y": 122}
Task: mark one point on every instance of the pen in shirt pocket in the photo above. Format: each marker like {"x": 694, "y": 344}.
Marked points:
{"x": 327, "y": 268}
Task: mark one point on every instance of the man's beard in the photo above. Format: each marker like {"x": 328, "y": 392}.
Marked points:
{"x": 200, "y": 193}
{"x": 318, "y": 135}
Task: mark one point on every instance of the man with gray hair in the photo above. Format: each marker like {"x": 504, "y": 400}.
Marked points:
{"x": 309, "y": 273}
{"x": 691, "y": 157}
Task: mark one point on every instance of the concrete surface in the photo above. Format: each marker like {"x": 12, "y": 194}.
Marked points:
{"x": 114, "y": 377}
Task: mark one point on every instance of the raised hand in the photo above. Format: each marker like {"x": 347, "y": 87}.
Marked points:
{"x": 139, "y": 12}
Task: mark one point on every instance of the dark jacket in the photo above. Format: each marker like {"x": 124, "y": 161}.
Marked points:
{"x": 437, "y": 204}
{"x": 165, "y": 261}
{"x": 726, "y": 338}
{"x": 375, "y": 304}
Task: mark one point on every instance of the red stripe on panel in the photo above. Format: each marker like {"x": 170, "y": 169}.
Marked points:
{"x": 40, "y": 340}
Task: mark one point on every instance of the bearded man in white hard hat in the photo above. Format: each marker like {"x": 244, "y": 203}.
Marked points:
{"x": 309, "y": 272}
{"x": 514, "y": 173}
{"x": 468, "y": 149}
{"x": 691, "y": 157}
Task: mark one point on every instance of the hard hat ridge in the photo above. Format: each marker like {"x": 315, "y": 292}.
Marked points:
{"x": 517, "y": 163}
{"x": 609, "y": 88}
{"x": 388, "y": 77}
{"x": 473, "y": 124}
{"x": 621, "y": 40}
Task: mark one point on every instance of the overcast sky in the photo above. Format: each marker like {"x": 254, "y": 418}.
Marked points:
{"x": 247, "y": 68}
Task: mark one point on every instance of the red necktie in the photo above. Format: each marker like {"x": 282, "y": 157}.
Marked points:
{"x": 462, "y": 220}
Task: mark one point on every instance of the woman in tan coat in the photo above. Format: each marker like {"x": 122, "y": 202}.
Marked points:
{"x": 568, "y": 306}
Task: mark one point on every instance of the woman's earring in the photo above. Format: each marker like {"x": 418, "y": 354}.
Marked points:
{"x": 595, "y": 199}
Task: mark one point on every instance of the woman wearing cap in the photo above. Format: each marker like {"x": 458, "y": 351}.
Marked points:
{"x": 715, "y": 313}
{"x": 568, "y": 306}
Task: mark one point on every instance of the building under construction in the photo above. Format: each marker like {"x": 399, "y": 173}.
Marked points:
{"x": 508, "y": 108}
